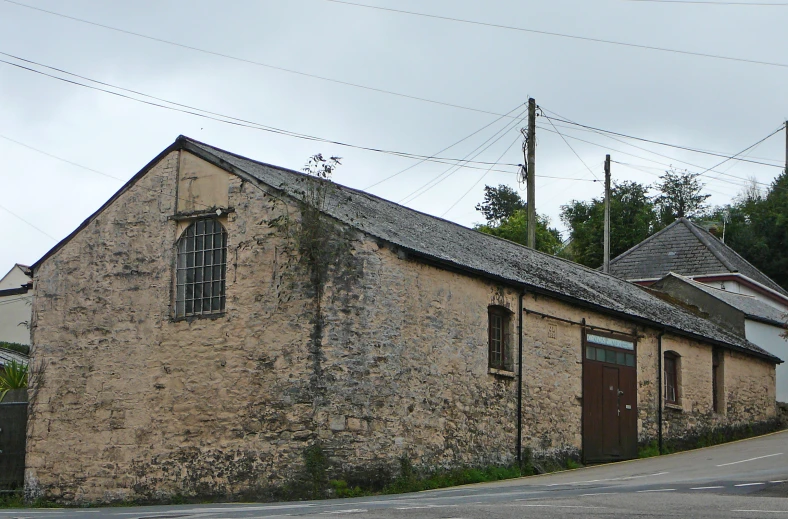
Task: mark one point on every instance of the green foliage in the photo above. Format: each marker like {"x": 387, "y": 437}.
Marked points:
{"x": 515, "y": 228}
{"x": 679, "y": 196}
{"x": 13, "y": 376}
{"x": 632, "y": 220}
{"x": 316, "y": 468}
{"x": 572, "y": 464}
{"x": 15, "y": 346}
{"x": 500, "y": 203}
{"x": 649, "y": 450}
{"x": 341, "y": 489}
{"x": 756, "y": 226}
{"x": 408, "y": 481}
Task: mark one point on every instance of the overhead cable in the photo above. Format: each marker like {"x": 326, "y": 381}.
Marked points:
{"x": 250, "y": 61}
{"x": 257, "y": 126}
{"x": 561, "y": 35}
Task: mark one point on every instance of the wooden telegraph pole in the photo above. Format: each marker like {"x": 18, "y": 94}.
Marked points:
{"x": 786, "y": 147}
{"x": 531, "y": 181}
{"x": 606, "y": 267}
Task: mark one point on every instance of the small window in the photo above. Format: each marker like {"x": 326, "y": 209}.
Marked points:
{"x": 201, "y": 269}
{"x": 671, "y": 364}
{"x": 717, "y": 382}
{"x": 498, "y": 338}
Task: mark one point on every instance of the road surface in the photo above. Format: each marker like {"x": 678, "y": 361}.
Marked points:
{"x": 744, "y": 479}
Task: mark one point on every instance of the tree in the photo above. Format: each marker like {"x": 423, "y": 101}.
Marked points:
{"x": 756, "y": 227}
{"x": 632, "y": 220}
{"x": 499, "y": 203}
{"x": 515, "y": 228}
{"x": 507, "y": 218}
{"x": 679, "y": 196}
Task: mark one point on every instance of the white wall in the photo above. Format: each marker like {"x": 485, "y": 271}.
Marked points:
{"x": 15, "y": 278}
{"x": 768, "y": 337}
{"x": 739, "y": 288}
{"x": 13, "y": 311}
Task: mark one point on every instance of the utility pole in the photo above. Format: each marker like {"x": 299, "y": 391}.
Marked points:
{"x": 786, "y": 147}
{"x": 606, "y": 268}
{"x": 531, "y": 182}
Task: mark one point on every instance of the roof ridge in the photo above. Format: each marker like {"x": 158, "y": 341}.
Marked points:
{"x": 728, "y": 248}
{"x": 703, "y": 235}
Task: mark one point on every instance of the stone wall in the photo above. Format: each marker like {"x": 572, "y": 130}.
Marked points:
{"x": 380, "y": 357}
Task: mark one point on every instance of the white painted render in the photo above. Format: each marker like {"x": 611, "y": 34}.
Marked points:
{"x": 15, "y": 309}
{"x": 768, "y": 337}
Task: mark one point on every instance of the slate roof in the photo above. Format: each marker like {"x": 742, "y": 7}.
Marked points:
{"x": 749, "y": 305}
{"x": 685, "y": 248}
{"x": 6, "y": 356}
{"x": 446, "y": 243}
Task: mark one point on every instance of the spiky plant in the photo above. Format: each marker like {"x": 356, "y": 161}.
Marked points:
{"x": 12, "y": 376}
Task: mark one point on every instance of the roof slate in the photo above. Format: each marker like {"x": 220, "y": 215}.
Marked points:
{"x": 749, "y": 305}
{"x": 448, "y": 243}
{"x": 684, "y": 248}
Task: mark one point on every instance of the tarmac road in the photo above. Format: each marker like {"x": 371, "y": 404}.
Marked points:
{"x": 744, "y": 479}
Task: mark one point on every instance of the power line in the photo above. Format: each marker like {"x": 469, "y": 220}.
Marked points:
{"x": 252, "y": 62}
{"x": 571, "y": 148}
{"x": 560, "y": 35}
{"x": 28, "y": 223}
{"x": 422, "y": 161}
{"x": 694, "y": 150}
{"x": 479, "y": 179}
{"x": 664, "y": 164}
{"x": 257, "y": 126}
{"x": 754, "y": 4}
{"x": 448, "y": 172}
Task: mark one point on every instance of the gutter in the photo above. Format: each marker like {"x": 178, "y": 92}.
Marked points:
{"x": 520, "y": 379}
{"x": 659, "y": 389}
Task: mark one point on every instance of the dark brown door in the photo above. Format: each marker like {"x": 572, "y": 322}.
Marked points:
{"x": 609, "y": 403}
{"x": 611, "y": 428}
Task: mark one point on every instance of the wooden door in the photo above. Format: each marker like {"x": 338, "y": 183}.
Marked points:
{"x": 609, "y": 398}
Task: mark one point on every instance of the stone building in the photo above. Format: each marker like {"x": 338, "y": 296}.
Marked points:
{"x": 691, "y": 264}
{"x": 218, "y": 316}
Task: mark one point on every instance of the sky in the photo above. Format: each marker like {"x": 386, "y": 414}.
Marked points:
{"x": 101, "y": 140}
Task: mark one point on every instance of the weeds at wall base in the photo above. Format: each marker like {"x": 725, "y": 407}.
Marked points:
{"x": 708, "y": 438}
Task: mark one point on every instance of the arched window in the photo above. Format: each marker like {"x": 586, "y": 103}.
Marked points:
{"x": 499, "y": 356}
{"x": 201, "y": 268}
{"x": 672, "y": 365}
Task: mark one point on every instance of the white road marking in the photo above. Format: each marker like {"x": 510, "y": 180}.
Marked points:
{"x": 748, "y": 484}
{"x": 623, "y": 478}
{"x": 348, "y": 511}
{"x": 764, "y": 511}
{"x": 599, "y": 494}
{"x": 750, "y": 459}
{"x": 564, "y": 506}
{"x": 656, "y": 490}
{"x": 424, "y": 507}
{"x": 23, "y": 513}
{"x": 779, "y": 481}
{"x": 706, "y": 488}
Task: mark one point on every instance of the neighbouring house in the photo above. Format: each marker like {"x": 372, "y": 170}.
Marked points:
{"x": 219, "y": 316}
{"x": 7, "y": 356}
{"x": 691, "y": 264}
{"x": 16, "y": 305}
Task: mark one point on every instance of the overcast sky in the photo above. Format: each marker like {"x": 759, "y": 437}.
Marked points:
{"x": 693, "y": 101}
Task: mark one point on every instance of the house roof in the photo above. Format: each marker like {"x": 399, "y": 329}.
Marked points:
{"x": 453, "y": 246}
{"x": 6, "y": 356}
{"x": 750, "y": 306}
{"x": 688, "y": 249}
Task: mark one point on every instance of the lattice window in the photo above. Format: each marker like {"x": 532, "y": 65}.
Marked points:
{"x": 201, "y": 269}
